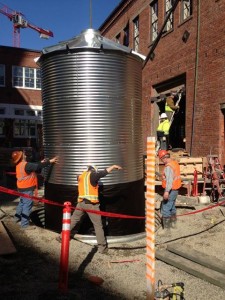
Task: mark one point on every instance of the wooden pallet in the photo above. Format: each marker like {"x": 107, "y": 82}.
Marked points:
{"x": 6, "y": 245}
{"x": 187, "y": 166}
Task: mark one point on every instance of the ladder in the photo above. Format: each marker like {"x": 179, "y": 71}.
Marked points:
{"x": 179, "y": 93}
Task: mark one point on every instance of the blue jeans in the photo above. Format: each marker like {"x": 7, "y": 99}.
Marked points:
{"x": 24, "y": 208}
{"x": 168, "y": 208}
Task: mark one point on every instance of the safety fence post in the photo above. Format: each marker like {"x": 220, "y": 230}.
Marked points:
{"x": 195, "y": 184}
{"x": 150, "y": 218}
{"x": 64, "y": 259}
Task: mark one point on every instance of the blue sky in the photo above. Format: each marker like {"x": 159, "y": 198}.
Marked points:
{"x": 66, "y": 19}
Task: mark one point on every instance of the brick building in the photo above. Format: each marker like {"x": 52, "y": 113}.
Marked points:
{"x": 184, "y": 43}
{"x": 20, "y": 98}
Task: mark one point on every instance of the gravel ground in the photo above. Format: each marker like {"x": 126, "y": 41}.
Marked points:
{"x": 33, "y": 272}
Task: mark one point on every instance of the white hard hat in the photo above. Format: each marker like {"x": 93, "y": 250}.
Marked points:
{"x": 163, "y": 116}
{"x": 92, "y": 167}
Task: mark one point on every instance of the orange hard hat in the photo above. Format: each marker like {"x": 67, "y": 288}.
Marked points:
{"x": 162, "y": 153}
{"x": 16, "y": 156}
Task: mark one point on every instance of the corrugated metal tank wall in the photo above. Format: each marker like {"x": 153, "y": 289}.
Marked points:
{"x": 92, "y": 114}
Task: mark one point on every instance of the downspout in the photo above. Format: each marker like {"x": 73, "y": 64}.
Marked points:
{"x": 196, "y": 75}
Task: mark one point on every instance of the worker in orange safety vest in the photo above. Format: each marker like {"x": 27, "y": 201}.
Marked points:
{"x": 27, "y": 183}
{"x": 171, "y": 182}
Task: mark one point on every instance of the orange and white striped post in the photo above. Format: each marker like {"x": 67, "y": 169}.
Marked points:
{"x": 150, "y": 218}
{"x": 64, "y": 259}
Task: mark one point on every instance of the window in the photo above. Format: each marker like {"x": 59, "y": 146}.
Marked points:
{"x": 136, "y": 34}
{"x": 19, "y": 112}
{"x": 17, "y": 76}
{"x": 38, "y": 78}
{"x": 154, "y": 25}
{"x": 30, "y": 113}
{"x": 2, "y": 75}
{"x": 168, "y": 6}
{"x": 29, "y": 77}
{"x": 24, "y": 128}
{"x": 118, "y": 38}
{"x": 186, "y": 9}
{"x": 126, "y": 36}
{"x": 26, "y": 77}
{"x": 2, "y": 111}
{"x": 2, "y": 125}
{"x": 39, "y": 113}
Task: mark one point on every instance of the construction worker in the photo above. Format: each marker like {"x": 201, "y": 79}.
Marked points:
{"x": 26, "y": 184}
{"x": 163, "y": 132}
{"x": 88, "y": 199}
{"x": 171, "y": 182}
{"x": 170, "y": 106}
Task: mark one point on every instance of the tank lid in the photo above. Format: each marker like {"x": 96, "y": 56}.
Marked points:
{"x": 88, "y": 38}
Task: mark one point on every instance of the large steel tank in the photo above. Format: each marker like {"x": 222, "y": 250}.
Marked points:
{"x": 91, "y": 92}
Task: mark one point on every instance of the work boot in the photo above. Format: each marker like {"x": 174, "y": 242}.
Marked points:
{"x": 166, "y": 231}
{"x": 174, "y": 222}
{"x": 167, "y": 224}
{"x": 103, "y": 250}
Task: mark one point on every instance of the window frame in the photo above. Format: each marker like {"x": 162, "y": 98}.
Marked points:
{"x": 170, "y": 23}
{"x": 26, "y": 77}
{"x": 188, "y": 9}
{"x": 117, "y": 38}
{"x": 25, "y": 127}
{"x": 2, "y": 81}
{"x": 136, "y": 34}
{"x": 126, "y": 36}
{"x": 154, "y": 9}
{"x": 2, "y": 125}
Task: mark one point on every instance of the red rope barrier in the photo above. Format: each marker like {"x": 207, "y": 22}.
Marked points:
{"x": 102, "y": 213}
{"x": 203, "y": 209}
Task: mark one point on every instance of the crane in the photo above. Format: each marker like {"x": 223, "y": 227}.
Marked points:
{"x": 19, "y": 21}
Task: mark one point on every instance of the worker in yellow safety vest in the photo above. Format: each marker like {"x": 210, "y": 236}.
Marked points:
{"x": 163, "y": 132}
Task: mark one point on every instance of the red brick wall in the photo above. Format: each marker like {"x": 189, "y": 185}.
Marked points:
{"x": 10, "y": 56}
{"x": 173, "y": 57}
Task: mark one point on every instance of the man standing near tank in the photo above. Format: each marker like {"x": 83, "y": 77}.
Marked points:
{"x": 171, "y": 182}
{"x": 26, "y": 184}
{"x": 88, "y": 199}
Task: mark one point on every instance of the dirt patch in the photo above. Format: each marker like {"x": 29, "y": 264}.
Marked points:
{"x": 33, "y": 272}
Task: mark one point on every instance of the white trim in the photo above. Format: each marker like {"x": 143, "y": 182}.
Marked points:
{"x": 10, "y": 111}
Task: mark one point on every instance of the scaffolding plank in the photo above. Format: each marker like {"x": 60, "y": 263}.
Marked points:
{"x": 192, "y": 268}
{"x": 203, "y": 259}
{"x": 6, "y": 245}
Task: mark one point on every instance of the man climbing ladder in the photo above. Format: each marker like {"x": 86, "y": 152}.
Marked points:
{"x": 179, "y": 94}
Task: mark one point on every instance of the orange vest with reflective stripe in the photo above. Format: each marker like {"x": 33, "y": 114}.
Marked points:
{"x": 176, "y": 175}
{"x": 25, "y": 180}
{"x": 85, "y": 189}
